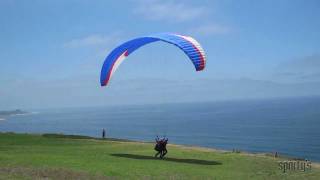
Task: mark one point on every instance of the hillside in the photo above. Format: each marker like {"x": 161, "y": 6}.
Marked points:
{"x": 25, "y": 156}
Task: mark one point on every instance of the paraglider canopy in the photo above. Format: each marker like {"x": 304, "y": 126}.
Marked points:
{"x": 187, "y": 44}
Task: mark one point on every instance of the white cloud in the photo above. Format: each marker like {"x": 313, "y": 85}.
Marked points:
{"x": 209, "y": 29}
{"x": 93, "y": 40}
{"x": 169, "y": 10}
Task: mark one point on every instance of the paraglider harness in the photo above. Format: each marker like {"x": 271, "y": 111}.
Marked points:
{"x": 161, "y": 147}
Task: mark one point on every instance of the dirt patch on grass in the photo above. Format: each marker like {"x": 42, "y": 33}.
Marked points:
{"x": 47, "y": 173}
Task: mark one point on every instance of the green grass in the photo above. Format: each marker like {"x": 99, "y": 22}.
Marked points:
{"x": 25, "y": 156}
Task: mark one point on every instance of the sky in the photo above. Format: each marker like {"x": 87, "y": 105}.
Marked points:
{"x": 51, "y": 51}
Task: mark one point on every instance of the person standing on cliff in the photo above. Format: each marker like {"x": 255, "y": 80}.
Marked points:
{"x": 103, "y": 133}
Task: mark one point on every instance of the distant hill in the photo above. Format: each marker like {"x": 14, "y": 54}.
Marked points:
{"x": 13, "y": 112}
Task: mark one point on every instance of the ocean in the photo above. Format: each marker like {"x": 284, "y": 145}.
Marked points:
{"x": 289, "y": 126}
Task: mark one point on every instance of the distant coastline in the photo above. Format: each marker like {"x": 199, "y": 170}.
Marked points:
{"x": 4, "y": 114}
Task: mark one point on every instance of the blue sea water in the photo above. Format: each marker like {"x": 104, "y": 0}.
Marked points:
{"x": 287, "y": 126}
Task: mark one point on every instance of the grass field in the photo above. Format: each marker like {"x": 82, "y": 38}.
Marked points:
{"x": 25, "y": 156}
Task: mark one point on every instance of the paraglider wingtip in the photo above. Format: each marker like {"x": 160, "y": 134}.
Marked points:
{"x": 200, "y": 69}
{"x": 103, "y": 83}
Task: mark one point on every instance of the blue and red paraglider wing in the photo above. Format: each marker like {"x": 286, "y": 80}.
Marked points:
{"x": 187, "y": 44}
